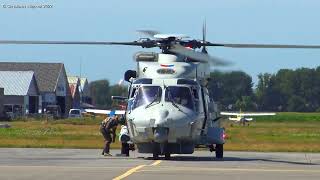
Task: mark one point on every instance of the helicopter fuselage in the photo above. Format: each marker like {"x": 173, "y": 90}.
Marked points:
{"x": 169, "y": 109}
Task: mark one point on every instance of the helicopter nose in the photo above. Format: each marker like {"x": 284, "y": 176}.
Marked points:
{"x": 160, "y": 133}
{"x": 163, "y": 113}
{"x": 162, "y": 116}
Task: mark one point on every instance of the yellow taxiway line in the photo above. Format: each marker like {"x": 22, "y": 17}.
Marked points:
{"x": 128, "y": 173}
{"x": 135, "y": 169}
{"x": 156, "y": 163}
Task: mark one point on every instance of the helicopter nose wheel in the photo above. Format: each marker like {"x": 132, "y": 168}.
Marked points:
{"x": 161, "y": 149}
{"x": 155, "y": 151}
{"x": 167, "y": 156}
{"x": 166, "y": 151}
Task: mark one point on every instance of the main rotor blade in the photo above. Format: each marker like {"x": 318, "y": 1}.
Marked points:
{"x": 134, "y": 43}
{"x": 149, "y": 33}
{"x": 261, "y": 45}
{"x": 198, "y": 56}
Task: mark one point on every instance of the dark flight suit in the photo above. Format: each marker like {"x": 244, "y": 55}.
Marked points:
{"x": 106, "y": 130}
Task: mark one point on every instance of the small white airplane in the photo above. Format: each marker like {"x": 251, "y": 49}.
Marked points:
{"x": 242, "y": 117}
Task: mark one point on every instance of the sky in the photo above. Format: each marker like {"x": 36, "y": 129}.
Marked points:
{"x": 228, "y": 21}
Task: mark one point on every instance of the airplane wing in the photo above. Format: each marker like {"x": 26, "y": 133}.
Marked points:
{"x": 229, "y": 113}
{"x": 247, "y": 114}
{"x": 258, "y": 114}
{"x": 102, "y": 111}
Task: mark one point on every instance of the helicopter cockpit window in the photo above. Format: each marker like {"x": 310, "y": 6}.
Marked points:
{"x": 147, "y": 95}
{"x": 179, "y": 95}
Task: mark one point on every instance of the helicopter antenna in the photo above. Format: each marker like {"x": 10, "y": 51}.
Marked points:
{"x": 204, "y": 34}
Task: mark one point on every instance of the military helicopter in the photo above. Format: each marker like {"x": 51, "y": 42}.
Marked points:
{"x": 169, "y": 110}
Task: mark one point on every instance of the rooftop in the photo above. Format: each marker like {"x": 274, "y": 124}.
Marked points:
{"x": 46, "y": 74}
{"x": 16, "y": 82}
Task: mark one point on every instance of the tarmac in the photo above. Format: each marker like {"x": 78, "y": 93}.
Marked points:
{"x": 83, "y": 164}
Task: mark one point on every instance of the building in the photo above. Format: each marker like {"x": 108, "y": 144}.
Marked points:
{"x": 21, "y": 92}
{"x": 51, "y": 79}
{"x": 1, "y": 102}
{"x": 80, "y": 91}
{"x": 74, "y": 85}
{"x": 85, "y": 91}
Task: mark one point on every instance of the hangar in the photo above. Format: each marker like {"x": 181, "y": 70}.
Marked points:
{"x": 51, "y": 80}
{"x": 74, "y": 83}
{"x": 1, "y": 103}
{"x": 21, "y": 92}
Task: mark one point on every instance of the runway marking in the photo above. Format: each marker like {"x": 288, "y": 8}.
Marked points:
{"x": 136, "y": 169}
{"x": 128, "y": 173}
{"x": 156, "y": 163}
{"x": 63, "y": 167}
{"x": 170, "y": 168}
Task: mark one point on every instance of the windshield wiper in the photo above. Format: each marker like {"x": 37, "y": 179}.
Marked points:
{"x": 155, "y": 99}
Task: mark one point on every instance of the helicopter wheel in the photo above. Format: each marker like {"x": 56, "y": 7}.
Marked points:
{"x": 166, "y": 149}
{"x": 155, "y": 152}
{"x": 167, "y": 156}
{"x": 155, "y": 156}
{"x": 219, "y": 151}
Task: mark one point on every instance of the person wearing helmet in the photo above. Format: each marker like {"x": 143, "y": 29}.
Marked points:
{"x": 107, "y": 128}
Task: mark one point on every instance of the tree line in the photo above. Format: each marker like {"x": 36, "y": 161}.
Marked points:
{"x": 287, "y": 90}
{"x": 101, "y": 92}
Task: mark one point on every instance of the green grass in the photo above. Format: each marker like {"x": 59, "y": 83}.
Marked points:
{"x": 68, "y": 133}
{"x": 290, "y": 117}
{"x": 287, "y": 132}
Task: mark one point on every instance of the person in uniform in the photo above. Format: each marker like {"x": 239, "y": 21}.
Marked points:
{"x": 107, "y": 128}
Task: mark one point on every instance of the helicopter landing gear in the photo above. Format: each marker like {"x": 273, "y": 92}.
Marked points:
{"x": 219, "y": 151}
{"x": 167, "y": 156}
{"x": 155, "y": 151}
{"x": 211, "y": 148}
{"x": 155, "y": 156}
{"x": 161, "y": 149}
{"x": 164, "y": 148}
{"x": 166, "y": 151}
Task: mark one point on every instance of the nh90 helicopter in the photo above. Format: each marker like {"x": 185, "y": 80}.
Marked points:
{"x": 169, "y": 110}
